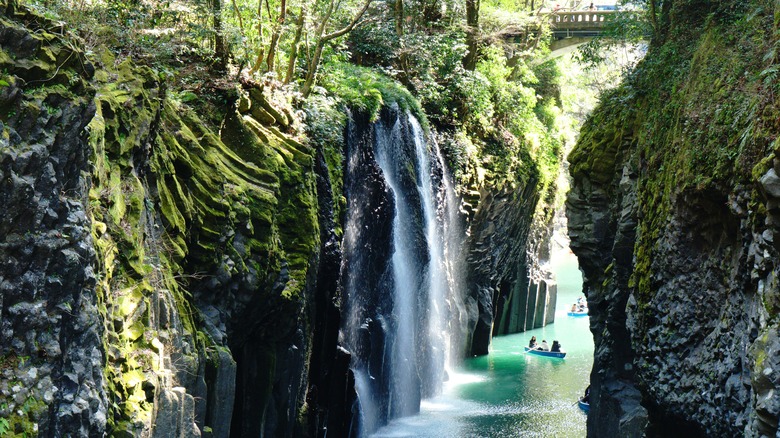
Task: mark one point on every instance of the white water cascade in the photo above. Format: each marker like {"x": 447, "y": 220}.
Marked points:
{"x": 404, "y": 389}
{"x": 444, "y": 237}
{"x": 404, "y": 313}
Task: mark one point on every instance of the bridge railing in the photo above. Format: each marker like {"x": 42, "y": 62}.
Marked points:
{"x": 579, "y": 19}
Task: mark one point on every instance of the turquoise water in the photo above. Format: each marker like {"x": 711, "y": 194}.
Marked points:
{"x": 511, "y": 394}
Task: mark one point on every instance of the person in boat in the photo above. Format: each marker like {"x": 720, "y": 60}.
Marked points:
{"x": 544, "y": 346}
{"x": 586, "y": 397}
{"x": 532, "y": 344}
{"x": 574, "y": 308}
{"x": 556, "y": 347}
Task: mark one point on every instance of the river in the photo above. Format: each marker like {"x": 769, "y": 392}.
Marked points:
{"x": 511, "y": 394}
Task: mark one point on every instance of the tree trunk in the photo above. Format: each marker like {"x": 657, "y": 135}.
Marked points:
{"x": 653, "y": 16}
{"x": 261, "y": 55}
{"x": 294, "y": 48}
{"x": 275, "y": 36}
{"x": 220, "y": 47}
{"x": 315, "y": 60}
{"x": 399, "y": 17}
{"x": 472, "y": 33}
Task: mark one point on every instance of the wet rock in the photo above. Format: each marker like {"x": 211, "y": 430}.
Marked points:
{"x": 770, "y": 182}
{"x": 221, "y": 392}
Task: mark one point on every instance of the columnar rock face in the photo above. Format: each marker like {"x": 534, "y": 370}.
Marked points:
{"x": 602, "y": 228}
{"x": 506, "y": 244}
{"x": 155, "y": 275}
{"x": 51, "y": 355}
{"x": 672, "y": 215}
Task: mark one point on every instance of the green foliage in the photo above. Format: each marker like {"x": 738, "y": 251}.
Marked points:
{"x": 431, "y": 65}
{"x": 493, "y": 123}
{"x": 519, "y": 131}
{"x": 512, "y": 100}
{"x": 367, "y": 90}
{"x": 160, "y": 33}
{"x": 549, "y": 79}
{"x": 375, "y": 44}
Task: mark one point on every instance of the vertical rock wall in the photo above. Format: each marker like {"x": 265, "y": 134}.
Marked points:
{"x": 51, "y": 354}
{"x": 147, "y": 254}
{"x": 507, "y": 244}
{"x": 163, "y": 278}
{"x": 671, "y": 215}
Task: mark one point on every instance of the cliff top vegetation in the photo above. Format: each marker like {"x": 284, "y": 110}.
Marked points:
{"x": 463, "y": 63}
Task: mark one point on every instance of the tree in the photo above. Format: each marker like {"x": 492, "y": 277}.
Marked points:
{"x": 472, "y": 33}
{"x": 625, "y": 32}
{"x": 260, "y": 35}
{"x": 399, "y": 17}
{"x": 293, "y": 57}
{"x": 275, "y": 34}
{"x": 323, "y": 39}
{"x": 220, "y": 47}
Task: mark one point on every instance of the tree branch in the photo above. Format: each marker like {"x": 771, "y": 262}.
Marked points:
{"x": 354, "y": 23}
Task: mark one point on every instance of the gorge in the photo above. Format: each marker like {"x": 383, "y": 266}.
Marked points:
{"x": 198, "y": 241}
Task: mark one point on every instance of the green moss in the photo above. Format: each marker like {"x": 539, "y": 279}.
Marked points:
{"x": 368, "y": 91}
{"x": 168, "y": 196}
{"x": 23, "y": 421}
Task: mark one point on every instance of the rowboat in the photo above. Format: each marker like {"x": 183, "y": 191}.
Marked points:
{"x": 585, "y": 313}
{"x": 560, "y": 354}
{"x": 585, "y": 406}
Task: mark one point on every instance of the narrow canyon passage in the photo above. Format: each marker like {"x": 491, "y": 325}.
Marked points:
{"x": 346, "y": 218}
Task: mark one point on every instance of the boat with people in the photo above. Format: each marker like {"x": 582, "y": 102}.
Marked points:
{"x": 584, "y": 401}
{"x": 543, "y": 349}
{"x": 580, "y": 308}
{"x": 537, "y": 352}
{"x": 584, "y": 405}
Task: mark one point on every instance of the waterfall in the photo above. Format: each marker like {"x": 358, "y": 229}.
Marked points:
{"x": 451, "y": 322}
{"x": 404, "y": 378}
{"x": 402, "y": 262}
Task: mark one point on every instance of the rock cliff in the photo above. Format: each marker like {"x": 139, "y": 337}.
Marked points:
{"x": 165, "y": 266}
{"x": 47, "y": 281}
{"x": 507, "y": 243}
{"x": 672, "y": 217}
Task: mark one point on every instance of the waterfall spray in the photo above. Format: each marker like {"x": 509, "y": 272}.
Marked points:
{"x": 404, "y": 303}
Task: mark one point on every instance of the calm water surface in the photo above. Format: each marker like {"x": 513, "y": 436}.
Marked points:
{"x": 511, "y": 394}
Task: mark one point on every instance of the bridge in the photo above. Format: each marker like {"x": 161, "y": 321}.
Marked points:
{"x": 572, "y": 28}
{"x": 569, "y": 29}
